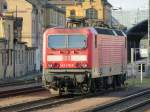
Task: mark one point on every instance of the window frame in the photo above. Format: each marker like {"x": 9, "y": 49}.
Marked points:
{"x": 91, "y": 13}
{"x": 66, "y": 41}
{"x": 72, "y": 12}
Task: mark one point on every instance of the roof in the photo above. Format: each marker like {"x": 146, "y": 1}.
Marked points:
{"x": 21, "y": 42}
{"x": 76, "y": 19}
{"x": 61, "y": 2}
{"x": 6, "y": 17}
{"x": 48, "y": 5}
{"x": 138, "y": 31}
{"x": 31, "y": 48}
{"x": 95, "y": 30}
{"x": 107, "y": 3}
{"x": 37, "y": 2}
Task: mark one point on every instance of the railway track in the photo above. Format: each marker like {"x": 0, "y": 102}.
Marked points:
{"x": 21, "y": 91}
{"x": 16, "y": 83}
{"x": 47, "y": 102}
{"x": 39, "y": 104}
{"x": 136, "y": 106}
{"x": 125, "y": 104}
{"x": 57, "y": 101}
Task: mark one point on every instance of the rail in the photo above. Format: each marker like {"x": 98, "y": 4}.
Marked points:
{"x": 21, "y": 91}
{"x": 123, "y": 104}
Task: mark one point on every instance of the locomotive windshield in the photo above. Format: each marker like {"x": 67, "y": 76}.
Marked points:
{"x": 67, "y": 41}
{"x": 56, "y": 41}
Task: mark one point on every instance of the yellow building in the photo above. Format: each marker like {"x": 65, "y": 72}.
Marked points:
{"x": 22, "y": 8}
{"x": 33, "y": 13}
{"x": 94, "y": 12}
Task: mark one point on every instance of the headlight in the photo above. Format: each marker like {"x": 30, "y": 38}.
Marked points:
{"x": 79, "y": 58}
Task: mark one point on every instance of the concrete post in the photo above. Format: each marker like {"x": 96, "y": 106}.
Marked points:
{"x": 132, "y": 61}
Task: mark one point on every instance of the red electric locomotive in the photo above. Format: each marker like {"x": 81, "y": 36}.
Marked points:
{"x": 83, "y": 59}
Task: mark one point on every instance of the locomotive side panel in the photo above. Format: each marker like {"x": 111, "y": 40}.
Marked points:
{"x": 117, "y": 55}
{"x": 109, "y": 56}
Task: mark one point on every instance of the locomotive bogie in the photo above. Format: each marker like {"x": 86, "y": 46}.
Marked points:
{"x": 81, "y": 83}
{"x": 66, "y": 81}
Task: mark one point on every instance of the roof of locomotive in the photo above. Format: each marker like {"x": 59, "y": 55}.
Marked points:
{"x": 106, "y": 31}
{"x": 97, "y": 30}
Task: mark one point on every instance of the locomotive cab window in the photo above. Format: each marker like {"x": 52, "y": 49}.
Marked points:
{"x": 76, "y": 41}
{"x": 56, "y": 41}
{"x": 67, "y": 41}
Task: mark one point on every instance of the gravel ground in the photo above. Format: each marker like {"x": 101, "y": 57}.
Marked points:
{"x": 24, "y": 98}
{"x": 91, "y": 102}
{"x": 146, "y": 110}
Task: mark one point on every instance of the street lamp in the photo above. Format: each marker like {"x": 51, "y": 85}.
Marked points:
{"x": 116, "y": 9}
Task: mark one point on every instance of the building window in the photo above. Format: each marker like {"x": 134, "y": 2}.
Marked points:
{"x": 22, "y": 57}
{"x": 91, "y": 13}
{"x": 16, "y": 57}
{"x": 29, "y": 58}
{"x": 56, "y": 17}
{"x": 5, "y": 6}
{"x": 72, "y": 13}
{"x": 10, "y": 56}
{"x": 51, "y": 16}
{"x": 32, "y": 57}
{"x": 3, "y": 58}
{"x": 92, "y": 0}
{"x": 19, "y": 57}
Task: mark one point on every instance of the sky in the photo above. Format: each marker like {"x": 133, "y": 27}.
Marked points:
{"x": 130, "y": 4}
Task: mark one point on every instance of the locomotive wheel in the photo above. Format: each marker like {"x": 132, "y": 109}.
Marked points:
{"x": 105, "y": 83}
{"x": 114, "y": 82}
{"x": 93, "y": 87}
{"x": 123, "y": 79}
{"x": 85, "y": 89}
{"x": 118, "y": 81}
